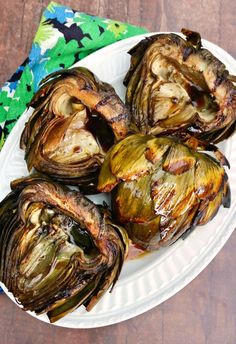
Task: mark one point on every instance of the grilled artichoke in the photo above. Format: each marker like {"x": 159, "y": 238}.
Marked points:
{"x": 162, "y": 188}
{"x": 76, "y": 119}
{"x": 57, "y": 249}
{"x": 175, "y": 85}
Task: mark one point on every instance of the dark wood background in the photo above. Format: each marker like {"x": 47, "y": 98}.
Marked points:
{"x": 205, "y": 311}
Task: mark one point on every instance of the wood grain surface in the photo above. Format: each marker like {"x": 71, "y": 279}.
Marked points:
{"x": 204, "y": 312}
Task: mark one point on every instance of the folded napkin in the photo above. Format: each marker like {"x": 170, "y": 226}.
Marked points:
{"x": 64, "y": 37}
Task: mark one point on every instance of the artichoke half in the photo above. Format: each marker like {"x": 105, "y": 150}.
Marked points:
{"x": 175, "y": 85}
{"x": 162, "y": 188}
{"x": 76, "y": 120}
{"x": 57, "y": 249}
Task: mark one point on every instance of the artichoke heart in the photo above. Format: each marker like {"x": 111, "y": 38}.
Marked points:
{"x": 175, "y": 85}
{"x": 58, "y": 250}
{"x": 162, "y": 188}
{"x": 76, "y": 119}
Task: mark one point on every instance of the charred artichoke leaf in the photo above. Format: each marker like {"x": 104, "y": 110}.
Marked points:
{"x": 174, "y": 228}
{"x": 209, "y": 177}
{"x": 76, "y": 119}
{"x": 179, "y": 159}
{"x": 181, "y": 188}
{"x": 133, "y": 201}
{"x": 57, "y": 249}
{"x": 107, "y": 181}
{"x": 176, "y": 85}
{"x": 156, "y": 149}
{"x": 173, "y": 194}
{"x": 145, "y": 234}
{"x": 135, "y": 162}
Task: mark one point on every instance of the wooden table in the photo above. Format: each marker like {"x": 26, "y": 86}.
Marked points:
{"x": 205, "y": 311}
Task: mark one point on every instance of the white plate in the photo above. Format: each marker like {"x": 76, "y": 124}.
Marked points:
{"x": 144, "y": 283}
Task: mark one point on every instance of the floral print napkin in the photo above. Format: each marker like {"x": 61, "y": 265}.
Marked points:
{"x": 64, "y": 37}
